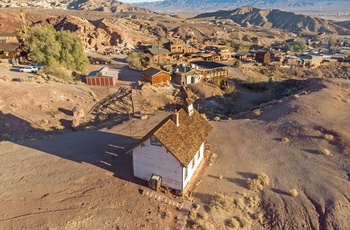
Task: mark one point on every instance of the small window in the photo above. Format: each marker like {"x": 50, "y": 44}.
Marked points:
{"x": 185, "y": 175}
{"x": 193, "y": 163}
{"x": 142, "y": 144}
{"x": 198, "y": 154}
{"x": 155, "y": 141}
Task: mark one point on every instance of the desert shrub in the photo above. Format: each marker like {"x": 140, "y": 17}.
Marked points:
{"x": 6, "y": 78}
{"x": 325, "y": 152}
{"x": 285, "y": 139}
{"x": 252, "y": 80}
{"x": 257, "y": 112}
{"x": 217, "y": 118}
{"x": 201, "y": 222}
{"x": 233, "y": 223}
{"x": 258, "y": 183}
{"x": 264, "y": 179}
{"x": 259, "y": 216}
{"x": 252, "y": 201}
{"x": 329, "y": 137}
{"x": 254, "y": 185}
{"x": 239, "y": 203}
{"x": 241, "y": 222}
{"x": 238, "y": 63}
{"x": 57, "y": 71}
{"x": 222, "y": 202}
{"x": 293, "y": 192}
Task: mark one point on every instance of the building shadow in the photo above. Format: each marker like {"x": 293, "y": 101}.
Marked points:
{"x": 238, "y": 181}
{"x": 247, "y": 175}
{"x": 102, "y": 149}
{"x": 312, "y": 151}
{"x": 205, "y": 198}
{"x": 279, "y": 191}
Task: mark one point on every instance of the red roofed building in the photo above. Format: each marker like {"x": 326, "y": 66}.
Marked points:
{"x": 103, "y": 77}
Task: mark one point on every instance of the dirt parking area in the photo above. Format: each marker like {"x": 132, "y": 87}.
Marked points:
{"x": 14, "y": 72}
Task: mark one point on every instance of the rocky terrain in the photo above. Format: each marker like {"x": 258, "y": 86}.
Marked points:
{"x": 109, "y": 6}
{"x": 272, "y": 18}
{"x": 293, "y": 130}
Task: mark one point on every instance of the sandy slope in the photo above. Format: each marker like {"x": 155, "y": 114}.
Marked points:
{"x": 250, "y": 146}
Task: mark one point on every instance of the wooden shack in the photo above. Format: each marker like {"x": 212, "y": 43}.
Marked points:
{"x": 263, "y": 57}
{"x": 156, "y": 76}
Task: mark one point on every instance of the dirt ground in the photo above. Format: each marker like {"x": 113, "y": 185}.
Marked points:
{"x": 55, "y": 178}
{"x": 79, "y": 180}
{"x": 247, "y": 147}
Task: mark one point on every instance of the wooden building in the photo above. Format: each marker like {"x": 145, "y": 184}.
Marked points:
{"x": 10, "y": 48}
{"x": 103, "y": 77}
{"x": 211, "y": 70}
{"x": 184, "y": 75}
{"x": 156, "y": 76}
{"x": 263, "y": 57}
{"x": 173, "y": 150}
{"x": 155, "y": 55}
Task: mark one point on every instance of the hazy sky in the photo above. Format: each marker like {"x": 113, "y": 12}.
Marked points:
{"x": 133, "y": 1}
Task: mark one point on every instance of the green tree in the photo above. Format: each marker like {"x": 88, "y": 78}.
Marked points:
{"x": 238, "y": 63}
{"x": 136, "y": 59}
{"x": 50, "y": 47}
{"x": 332, "y": 41}
{"x": 299, "y": 45}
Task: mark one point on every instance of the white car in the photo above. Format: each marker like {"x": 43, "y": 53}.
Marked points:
{"x": 29, "y": 69}
{"x": 36, "y": 66}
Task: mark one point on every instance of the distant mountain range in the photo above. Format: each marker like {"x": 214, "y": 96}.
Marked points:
{"x": 271, "y": 18}
{"x": 209, "y": 5}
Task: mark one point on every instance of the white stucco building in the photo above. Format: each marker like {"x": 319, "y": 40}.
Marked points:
{"x": 172, "y": 150}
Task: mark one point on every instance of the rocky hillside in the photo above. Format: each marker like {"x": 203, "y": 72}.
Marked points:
{"x": 98, "y": 31}
{"x": 272, "y": 18}
{"x": 94, "y": 5}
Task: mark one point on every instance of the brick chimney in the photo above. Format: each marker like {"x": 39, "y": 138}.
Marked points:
{"x": 175, "y": 118}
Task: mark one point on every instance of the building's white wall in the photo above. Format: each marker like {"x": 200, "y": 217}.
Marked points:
{"x": 150, "y": 159}
{"x": 192, "y": 168}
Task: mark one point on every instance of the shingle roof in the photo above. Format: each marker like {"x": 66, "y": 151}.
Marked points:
{"x": 184, "y": 140}
{"x": 151, "y": 71}
{"x": 154, "y": 50}
{"x": 8, "y": 46}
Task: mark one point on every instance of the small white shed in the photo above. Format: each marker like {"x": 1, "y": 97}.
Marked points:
{"x": 172, "y": 150}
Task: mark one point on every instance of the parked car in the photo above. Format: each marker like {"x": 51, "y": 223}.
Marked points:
{"x": 36, "y": 65}
{"x": 29, "y": 69}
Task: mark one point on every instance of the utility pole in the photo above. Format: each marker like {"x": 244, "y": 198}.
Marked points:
{"x": 159, "y": 40}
